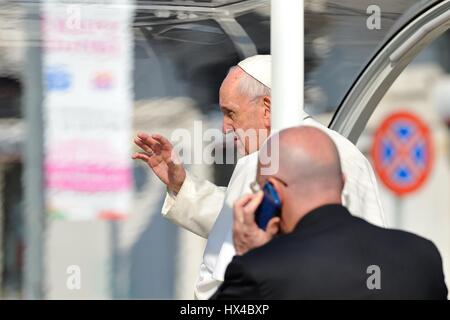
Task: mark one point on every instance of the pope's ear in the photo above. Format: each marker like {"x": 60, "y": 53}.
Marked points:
{"x": 266, "y": 106}
{"x": 267, "y": 103}
{"x": 273, "y": 227}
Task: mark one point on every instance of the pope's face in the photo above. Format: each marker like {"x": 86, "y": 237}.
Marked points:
{"x": 242, "y": 115}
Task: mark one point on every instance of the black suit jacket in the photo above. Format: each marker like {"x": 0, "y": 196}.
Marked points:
{"x": 328, "y": 256}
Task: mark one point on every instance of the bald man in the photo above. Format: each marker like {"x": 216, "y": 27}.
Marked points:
{"x": 322, "y": 251}
{"x": 205, "y": 208}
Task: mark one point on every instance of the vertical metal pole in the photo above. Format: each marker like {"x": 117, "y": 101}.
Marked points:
{"x": 287, "y": 49}
{"x": 115, "y": 276}
{"x": 33, "y": 158}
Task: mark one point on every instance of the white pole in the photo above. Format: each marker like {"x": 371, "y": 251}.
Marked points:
{"x": 287, "y": 49}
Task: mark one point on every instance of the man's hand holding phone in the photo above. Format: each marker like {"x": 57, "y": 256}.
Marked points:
{"x": 246, "y": 233}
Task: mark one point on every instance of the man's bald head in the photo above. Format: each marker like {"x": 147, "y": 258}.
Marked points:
{"x": 310, "y": 166}
{"x": 309, "y": 156}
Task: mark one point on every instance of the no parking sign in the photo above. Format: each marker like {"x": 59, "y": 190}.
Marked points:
{"x": 402, "y": 152}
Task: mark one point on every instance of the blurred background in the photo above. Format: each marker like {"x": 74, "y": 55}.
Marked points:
{"x": 78, "y": 79}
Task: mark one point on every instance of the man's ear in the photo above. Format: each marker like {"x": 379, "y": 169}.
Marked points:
{"x": 266, "y": 106}
{"x": 273, "y": 227}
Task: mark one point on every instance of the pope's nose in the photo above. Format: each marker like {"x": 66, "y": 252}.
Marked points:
{"x": 226, "y": 127}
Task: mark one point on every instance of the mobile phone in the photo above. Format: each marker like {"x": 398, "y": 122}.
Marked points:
{"x": 269, "y": 207}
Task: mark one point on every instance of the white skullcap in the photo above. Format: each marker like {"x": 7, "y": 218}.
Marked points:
{"x": 259, "y": 67}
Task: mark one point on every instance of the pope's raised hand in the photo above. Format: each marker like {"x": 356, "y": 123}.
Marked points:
{"x": 158, "y": 153}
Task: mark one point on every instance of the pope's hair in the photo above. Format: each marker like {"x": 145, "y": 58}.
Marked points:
{"x": 251, "y": 87}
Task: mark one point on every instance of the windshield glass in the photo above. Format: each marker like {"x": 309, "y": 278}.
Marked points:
{"x": 342, "y": 38}
{"x": 197, "y": 41}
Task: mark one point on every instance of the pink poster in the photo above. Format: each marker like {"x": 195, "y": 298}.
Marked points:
{"x": 88, "y": 108}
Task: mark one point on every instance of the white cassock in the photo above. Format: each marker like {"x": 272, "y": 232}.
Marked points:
{"x": 206, "y": 209}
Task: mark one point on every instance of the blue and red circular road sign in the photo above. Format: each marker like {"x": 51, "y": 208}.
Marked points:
{"x": 402, "y": 152}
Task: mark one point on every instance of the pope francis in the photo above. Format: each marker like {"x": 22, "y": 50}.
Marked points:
{"x": 206, "y": 209}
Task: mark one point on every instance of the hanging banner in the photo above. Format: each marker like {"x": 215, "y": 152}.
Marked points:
{"x": 87, "y": 62}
